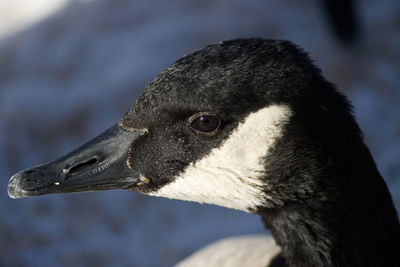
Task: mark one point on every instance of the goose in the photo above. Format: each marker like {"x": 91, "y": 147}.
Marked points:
{"x": 247, "y": 124}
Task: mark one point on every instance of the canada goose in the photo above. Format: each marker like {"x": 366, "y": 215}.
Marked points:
{"x": 248, "y": 124}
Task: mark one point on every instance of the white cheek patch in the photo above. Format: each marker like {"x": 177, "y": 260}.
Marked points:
{"x": 229, "y": 175}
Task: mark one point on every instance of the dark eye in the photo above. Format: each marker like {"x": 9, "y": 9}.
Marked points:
{"x": 204, "y": 123}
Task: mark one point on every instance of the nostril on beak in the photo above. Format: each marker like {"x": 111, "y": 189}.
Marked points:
{"x": 80, "y": 166}
{"x": 66, "y": 168}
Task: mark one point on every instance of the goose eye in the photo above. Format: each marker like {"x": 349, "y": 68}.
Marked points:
{"x": 204, "y": 124}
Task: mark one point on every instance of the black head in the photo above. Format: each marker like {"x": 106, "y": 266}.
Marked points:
{"x": 247, "y": 123}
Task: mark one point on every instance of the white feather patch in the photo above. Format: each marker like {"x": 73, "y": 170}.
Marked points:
{"x": 252, "y": 250}
{"x": 229, "y": 175}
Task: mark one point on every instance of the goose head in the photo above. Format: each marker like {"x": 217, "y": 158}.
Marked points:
{"x": 228, "y": 124}
{"x": 207, "y": 129}
{"x": 248, "y": 124}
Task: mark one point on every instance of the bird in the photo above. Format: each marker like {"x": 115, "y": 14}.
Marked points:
{"x": 248, "y": 124}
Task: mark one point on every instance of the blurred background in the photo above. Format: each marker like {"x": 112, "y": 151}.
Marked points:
{"x": 70, "y": 69}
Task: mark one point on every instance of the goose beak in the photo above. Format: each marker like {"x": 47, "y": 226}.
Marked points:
{"x": 100, "y": 164}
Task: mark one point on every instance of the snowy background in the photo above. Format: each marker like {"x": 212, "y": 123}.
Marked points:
{"x": 70, "y": 69}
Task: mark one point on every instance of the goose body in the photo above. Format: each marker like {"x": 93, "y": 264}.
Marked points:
{"x": 248, "y": 250}
{"x": 248, "y": 124}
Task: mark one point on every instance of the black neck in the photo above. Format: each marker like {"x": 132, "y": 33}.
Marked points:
{"x": 355, "y": 225}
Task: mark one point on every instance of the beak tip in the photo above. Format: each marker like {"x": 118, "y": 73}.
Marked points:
{"x": 13, "y": 189}
{"x": 16, "y": 189}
